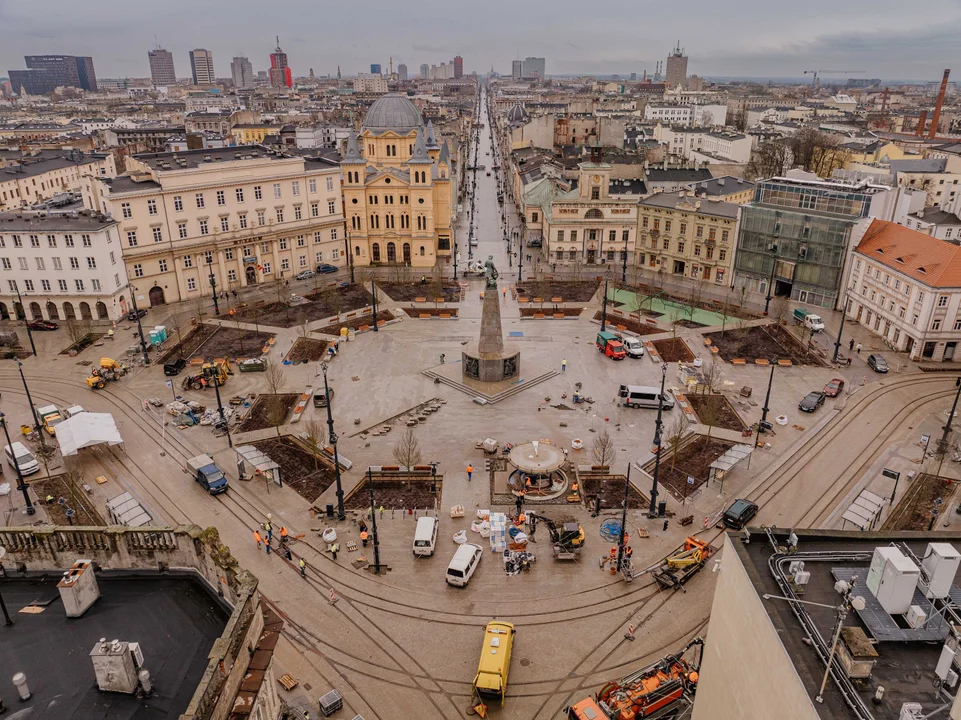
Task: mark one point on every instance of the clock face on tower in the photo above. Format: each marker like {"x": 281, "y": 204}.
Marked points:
{"x": 596, "y": 178}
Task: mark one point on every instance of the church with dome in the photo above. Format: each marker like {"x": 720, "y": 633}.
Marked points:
{"x": 399, "y": 189}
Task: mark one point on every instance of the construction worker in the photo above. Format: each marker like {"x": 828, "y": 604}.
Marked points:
{"x": 333, "y": 550}
{"x": 470, "y": 471}
{"x": 613, "y": 554}
{"x": 519, "y": 501}
{"x": 628, "y": 551}
{"x": 363, "y": 538}
{"x": 257, "y": 538}
{"x": 283, "y": 535}
{"x": 564, "y": 365}
{"x": 527, "y": 484}
{"x": 303, "y": 568}
{"x": 49, "y": 499}
{"x": 270, "y": 532}
{"x": 287, "y": 555}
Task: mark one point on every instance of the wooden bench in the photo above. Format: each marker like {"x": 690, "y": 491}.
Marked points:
{"x": 784, "y": 363}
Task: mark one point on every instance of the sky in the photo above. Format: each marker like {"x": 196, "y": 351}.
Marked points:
{"x": 888, "y": 39}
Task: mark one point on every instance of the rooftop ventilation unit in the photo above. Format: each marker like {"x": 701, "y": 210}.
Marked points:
{"x": 115, "y": 664}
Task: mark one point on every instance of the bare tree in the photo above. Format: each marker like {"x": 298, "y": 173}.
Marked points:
{"x": 200, "y": 306}
{"x": 280, "y": 291}
{"x": 713, "y": 373}
{"x": 274, "y": 378}
{"x": 603, "y": 449}
{"x": 304, "y": 329}
{"x": 769, "y": 160}
{"x": 779, "y": 308}
{"x": 240, "y": 332}
{"x": 694, "y": 297}
{"x": 276, "y": 411}
{"x": 407, "y": 450}
{"x": 177, "y": 326}
{"x": 77, "y": 329}
{"x": 315, "y": 434}
{"x": 709, "y": 413}
{"x": 675, "y": 436}
{"x": 725, "y": 306}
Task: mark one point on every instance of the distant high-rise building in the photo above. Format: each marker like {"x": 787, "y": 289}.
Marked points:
{"x": 279, "y": 70}
{"x": 242, "y": 71}
{"x": 517, "y": 69}
{"x": 161, "y": 67}
{"x": 633, "y": 77}
{"x": 675, "y": 74}
{"x": 45, "y": 73}
{"x": 458, "y": 67}
{"x": 202, "y": 66}
{"x": 375, "y": 68}
{"x": 534, "y": 68}
{"x": 402, "y": 72}
{"x": 424, "y": 71}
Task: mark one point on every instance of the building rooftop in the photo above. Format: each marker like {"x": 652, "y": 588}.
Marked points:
{"x": 33, "y": 167}
{"x": 684, "y": 200}
{"x": 905, "y": 668}
{"x": 936, "y": 216}
{"x": 175, "y": 620}
{"x": 929, "y": 260}
{"x": 685, "y": 175}
{"x": 727, "y": 185}
{"x": 36, "y": 222}
{"x": 393, "y": 112}
{"x": 206, "y": 156}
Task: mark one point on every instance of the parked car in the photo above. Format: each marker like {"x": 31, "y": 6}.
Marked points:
{"x": 304, "y": 275}
{"x": 632, "y": 346}
{"x": 877, "y": 363}
{"x": 811, "y": 402}
{"x": 175, "y": 366}
{"x": 325, "y": 268}
{"x": 133, "y": 315}
{"x": 42, "y": 325}
{"x": 740, "y": 513}
{"x": 834, "y": 388}
{"x": 321, "y": 398}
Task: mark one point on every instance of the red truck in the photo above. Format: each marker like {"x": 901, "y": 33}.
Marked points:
{"x": 608, "y": 344}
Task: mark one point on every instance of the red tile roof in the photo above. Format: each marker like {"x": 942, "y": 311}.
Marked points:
{"x": 929, "y": 260}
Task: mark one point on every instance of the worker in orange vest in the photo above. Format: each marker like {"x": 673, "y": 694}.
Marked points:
{"x": 470, "y": 471}
{"x": 283, "y": 535}
{"x": 257, "y": 538}
{"x": 363, "y": 538}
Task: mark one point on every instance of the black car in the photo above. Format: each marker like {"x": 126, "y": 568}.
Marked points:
{"x": 812, "y": 401}
{"x": 174, "y": 367}
{"x": 133, "y": 315}
{"x": 739, "y": 514}
{"x": 877, "y": 363}
{"x": 325, "y": 268}
{"x": 42, "y": 325}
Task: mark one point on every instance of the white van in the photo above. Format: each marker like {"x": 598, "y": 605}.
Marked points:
{"x": 640, "y": 396}
{"x": 25, "y": 459}
{"x": 463, "y": 564}
{"x": 425, "y": 536}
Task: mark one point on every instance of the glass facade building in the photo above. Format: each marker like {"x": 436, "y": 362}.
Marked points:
{"x": 800, "y": 230}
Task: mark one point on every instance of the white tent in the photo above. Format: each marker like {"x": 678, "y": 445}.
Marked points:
{"x": 86, "y": 430}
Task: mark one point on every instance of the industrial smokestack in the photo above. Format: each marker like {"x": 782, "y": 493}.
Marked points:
{"x": 937, "y": 108}
{"x": 921, "y": 118}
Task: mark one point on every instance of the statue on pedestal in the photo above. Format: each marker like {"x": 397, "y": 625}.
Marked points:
{"x": 490, "y": 272}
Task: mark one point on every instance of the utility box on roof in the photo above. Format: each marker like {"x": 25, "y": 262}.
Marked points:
{"x": 940, "y": 564}
{"x": 892, "y": 579}
{"x": 78, "y": 588}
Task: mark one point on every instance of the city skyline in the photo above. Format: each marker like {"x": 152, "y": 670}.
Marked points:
{"x": 886, "y": 38}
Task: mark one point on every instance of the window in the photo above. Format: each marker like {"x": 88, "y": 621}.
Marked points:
{"x": 936, "y": 325}
{"x": 719, "y": 279}
{"x": 188, "y": 261}
{"x": 191, "y": 283}
{"x": 258, "y": 192}
{"x": 200, "y": 199}
{"x": 285, "y": 264}
{"x": 920, "y": 297}
{"x": 282, "y": 244}
{"x": 276, "y": 190}
{"x": 301, "y": 241}
{"x": 280, "y": 215}
{"x": 711, "y": 233}
{"x": 51, "y": 241}
{"x": 317, "y": 237}
{"x": 95, "y": 284}
{"x": 151, "y": 207}
{"x": 683, "y": 229}
{"x": 62, "y": 284}
{"x": 699, "y": 232}
{"x": 28, "y": 284}
{"x": 295, "y": 186}
{"x": 297, "y": 213}
{"x": 303, "y": 260}
{"x": 239, "y": 193}
{"x": 208, "y": 257}
{"x": 595, "y": 193}
{"x": 157, "y": 234}
{"x": 79, "y": 285}
{"x": 178, "y": 203}
{"x": 535, "y": 217}
{"x": 116, "y": 279}
{"x": 333, "y": 235}
{"x": 56, "y": 264}
{"x": 330, "y": 183}
{"x": 125, "y": 210}
{"x": 242, "y": 219}
{"x": 35, "y": 241}
{"x": 724, "y": 234}
{"x": 573, "y": 235}
{"x": 45, "y": 285}
{"x": 7, "y": 265}
{"x": 182, "y": 230}
{"x": 137, "y": 270}
{"x": 722, "y": 254}
{"x": 232, "y": 275}
{"x": 17, "y": 242}
{"x": 229, "y": 254}
{"x": 85, "y": 240}
{"x": 335, "y": 253}
{"x": 697, "y": 251}
{"x": 91, "y": 263}
{"x": 644, "y": 221}
{"x": 265, "y": 246}
{"x": 667, "y": 226}
{"x": 203, "y": 228}
{"x": 332, "y": 206}
{"x": 261, "y": 218}
{"x": 266, "y": 266}
{"x": 163, "y": 265}
{"x": 312, "y": 185}
{"x": 914, "y": 320}
{"x": 12, "y": 284}
{"x": 315, "y": 209}
{"x": 901, "y": 312}
{"x": 942, "y": 301}
{"x": 39, "y": 261}
{"x": 224, "y": 224}
{"x": 132, "y": 238}
{"x": 221, "y": 198}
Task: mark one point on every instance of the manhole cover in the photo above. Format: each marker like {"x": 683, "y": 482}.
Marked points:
{"x": 525, "y": 662}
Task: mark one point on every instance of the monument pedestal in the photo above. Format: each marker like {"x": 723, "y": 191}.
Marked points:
{"x": 488, "y": 360}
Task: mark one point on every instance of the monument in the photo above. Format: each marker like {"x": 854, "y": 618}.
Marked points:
{"x": 489, "y": 360}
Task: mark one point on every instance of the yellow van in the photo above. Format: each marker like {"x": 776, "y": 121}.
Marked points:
{"x": 495, "y": 660}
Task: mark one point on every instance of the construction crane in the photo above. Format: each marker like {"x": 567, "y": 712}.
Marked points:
{"x": 816, "y": 73}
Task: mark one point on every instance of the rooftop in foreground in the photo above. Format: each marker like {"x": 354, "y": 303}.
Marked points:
{"x": 175, "y": 620}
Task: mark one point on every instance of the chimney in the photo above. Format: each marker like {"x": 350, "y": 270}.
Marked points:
{"x": 937, "y": 108}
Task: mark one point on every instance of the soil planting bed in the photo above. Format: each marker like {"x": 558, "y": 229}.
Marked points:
{"x": 568, "y": 291}
{"x": 550, "y": 311}
{"x": 913, "y": 511}
{"x": 408, "y": 292}
{"x": 304, "y": 471}
{"x": 59, "y": 486}
{"x": 673, "y": 350}
{"x": 308, "y": 349}
{"x": 232, "y": 342}
{"x": 694, "y": 459}
{"x": 83, "y": 343}
{"x": 730, "y": 308}
{"x": 769, "y": 342}
{"x": 191, "y": 342}
{"x": 433, "y": 312}
{"x": 354, "y": 323}
{"x": 638, "y": 328}
{"x": 725, "y": 415}
{"x": 318, "y": 305}
{"x": 261, "y": 414}
{"x": 611, "y": 490}
{"x": 395, "y": 493}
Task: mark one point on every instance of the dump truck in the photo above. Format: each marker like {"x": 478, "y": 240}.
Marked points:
{"x": 808, "y": 319}
{"x": 567, "y": 542}
{"x": 50, "y": 416}
{"x": 109, "y": 370}
{"x": 206, "y": 472}
{"x": 608, "y": 344}
{"x": 657, "y": 690}
{"x": 682, "y": 564}
{"x": 208, "y": 371}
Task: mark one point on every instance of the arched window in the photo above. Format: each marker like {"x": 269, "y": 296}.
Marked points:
{"x": 375, "y": 252}
{"x": 422, "y": 251}
{"x": 357, "y": 250}
{"x": 594, "y": 214}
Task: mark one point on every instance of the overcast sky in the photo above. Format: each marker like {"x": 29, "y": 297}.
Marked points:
{"x": 890, "y": 39}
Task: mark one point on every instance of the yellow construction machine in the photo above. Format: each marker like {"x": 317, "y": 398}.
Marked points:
{"x": 217, "y": 370}
{"x": 109, "y": 370}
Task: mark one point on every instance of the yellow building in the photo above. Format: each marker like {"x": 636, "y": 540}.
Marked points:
{"x": 252, "y": 133}
{"x": 399, "y": 188}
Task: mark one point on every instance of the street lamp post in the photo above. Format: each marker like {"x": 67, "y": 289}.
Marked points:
{"x": 624, "y": 259}
{"x": 21, "y": 483}
{"x": 33, "y": 410}
{"x": 658, "y": 425}
{"x": 332, "y": 436}
{"x": 373, "y": 520}
{"x": 350, "y": 256}
{"x": 604, "y": 309}
{"x": 764, "y": 424}
{"x": 3, "y": 606}
{"x": 215, "y": 381}
{"x": 213, "y": 283}
{"x": 620, "y": 540}
{"x": 26, "y": 320}
{"x": 770, "y": 282}
{"x": 520, "y": 265}
{"x": 373, "y": 294}
{"x": 136, "y": 312}
{"x": 837, "y": 343}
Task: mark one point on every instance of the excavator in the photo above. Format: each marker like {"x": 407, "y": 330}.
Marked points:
{"x": 658, "y": 690}
{"x": 109, "y": 370}
{"x": 208, "y": 371}
{"x": 567, "y": 542}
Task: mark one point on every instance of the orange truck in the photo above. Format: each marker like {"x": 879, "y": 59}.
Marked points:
{"x": 610, "y": 345}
